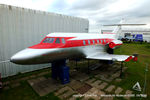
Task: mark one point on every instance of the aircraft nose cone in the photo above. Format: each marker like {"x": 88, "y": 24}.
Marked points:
{"x": 24, "y": 56}
{"x": 13, "y": 59}
{"x": 17, "y": 58}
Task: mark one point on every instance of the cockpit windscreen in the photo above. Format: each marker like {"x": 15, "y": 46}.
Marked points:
{"x": 49, "y": 40}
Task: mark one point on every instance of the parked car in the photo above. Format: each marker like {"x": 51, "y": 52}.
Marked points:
{"x": 138, "y": 37}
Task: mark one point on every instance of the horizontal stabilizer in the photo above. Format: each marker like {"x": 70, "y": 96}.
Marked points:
{"x": 124, "y": 25}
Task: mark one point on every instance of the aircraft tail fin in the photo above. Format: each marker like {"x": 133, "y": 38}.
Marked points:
{"x": 117, "y": 30}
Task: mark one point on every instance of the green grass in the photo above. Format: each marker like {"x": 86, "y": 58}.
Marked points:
{"x": 136, "y": 70}
{"x": 24, "y": 92}
{"x": 21, "y": 75}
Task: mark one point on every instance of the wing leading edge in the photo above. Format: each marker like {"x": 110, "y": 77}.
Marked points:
{"x": 111, "y": 57}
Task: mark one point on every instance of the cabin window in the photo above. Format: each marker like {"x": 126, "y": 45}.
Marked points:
{"x": 97, "y": 41}
{"x": 101, "y": 41}
{"x": 104, "y": 41}
{"x": 48, "y": 40}
{"x": 84, "y": 42}
{"x": 93, "y": 42}
{"x": 63, "y": 40}
{"x": 57, "y": 40}
{"x": 89, "y": 42}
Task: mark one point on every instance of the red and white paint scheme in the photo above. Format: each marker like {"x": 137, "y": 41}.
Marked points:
{"x": 57, "y": 46}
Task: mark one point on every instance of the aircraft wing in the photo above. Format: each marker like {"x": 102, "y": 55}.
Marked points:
{"x": 110, "y": 57}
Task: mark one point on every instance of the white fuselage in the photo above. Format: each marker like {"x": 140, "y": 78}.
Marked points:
{"x": 72, "y": 48}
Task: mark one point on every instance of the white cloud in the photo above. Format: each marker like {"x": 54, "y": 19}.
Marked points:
{"x": 97, "y": 11}
{"x": 70, "y": 2}
{"x": 122, "y": 5}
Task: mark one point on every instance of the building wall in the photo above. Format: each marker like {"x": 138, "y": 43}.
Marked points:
{"x": 21, "y": 28}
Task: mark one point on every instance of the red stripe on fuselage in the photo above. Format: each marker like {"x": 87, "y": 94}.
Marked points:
{"x": 69, "y": 43}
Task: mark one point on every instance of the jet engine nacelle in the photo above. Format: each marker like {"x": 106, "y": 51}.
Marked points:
{"x": 115, "y": 43}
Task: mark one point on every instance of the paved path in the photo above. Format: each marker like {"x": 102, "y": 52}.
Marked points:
{"x": 44, "y": 86}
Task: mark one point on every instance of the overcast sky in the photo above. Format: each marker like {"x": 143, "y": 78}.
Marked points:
{"x": 99, "y": 12}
